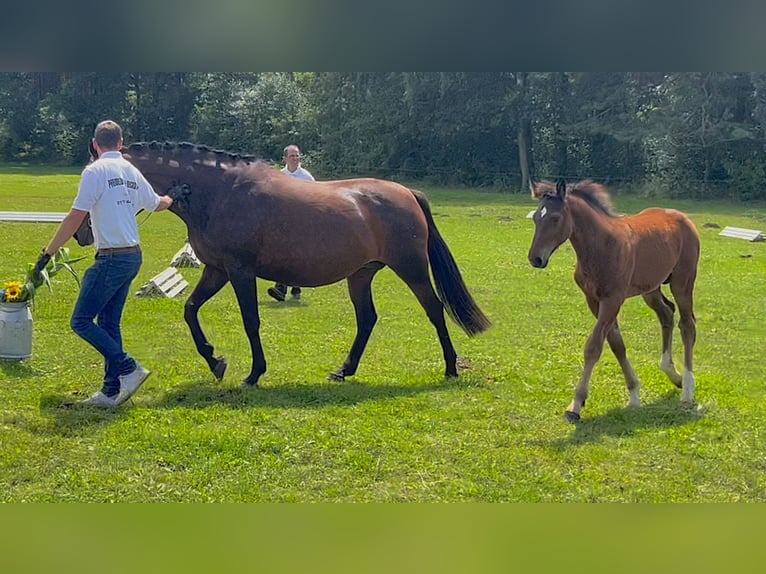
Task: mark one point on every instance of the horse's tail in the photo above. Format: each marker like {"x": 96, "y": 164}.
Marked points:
{"x": 450, "y": 286}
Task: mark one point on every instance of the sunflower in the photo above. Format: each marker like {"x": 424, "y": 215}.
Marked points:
{"x": 12, "y": 290}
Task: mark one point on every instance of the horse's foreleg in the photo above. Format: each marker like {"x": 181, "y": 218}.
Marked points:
{"x": 210, "y": 283}
{"x": 665, "y": 310}
{"x": 360, "y": 291}
{"x": 245, "y": 290}
{"x": 688, "y": 326}
{"x": 607, "y": 315}
{"x": 614, "y": 338}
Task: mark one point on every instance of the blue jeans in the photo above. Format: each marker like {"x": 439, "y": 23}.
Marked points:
{"x": 103, "y": 293}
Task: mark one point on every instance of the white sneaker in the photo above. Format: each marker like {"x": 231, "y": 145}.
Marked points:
{"x": 101, "y": 400}
{"x": 130, "y": 383}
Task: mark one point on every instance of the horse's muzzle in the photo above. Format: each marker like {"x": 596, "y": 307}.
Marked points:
{"x": 538, "y": 261}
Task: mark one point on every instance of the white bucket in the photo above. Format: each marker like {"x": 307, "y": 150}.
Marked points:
{"x": 15, "y": 330}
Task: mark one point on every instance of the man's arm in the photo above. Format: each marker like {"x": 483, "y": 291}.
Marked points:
{"x": 68, "y": 226}
{"x": 165, "y": 202}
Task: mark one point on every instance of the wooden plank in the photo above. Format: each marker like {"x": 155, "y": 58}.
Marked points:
{"x": 167, "y": 283}
{"x": 178, "y": 288}
{"x": 170, "y": 282}
{"x": 741, "y": 233}
{"x": 185, "y": 258}
{"x": 32, "y": 217}
{"x": 163, "y": 276}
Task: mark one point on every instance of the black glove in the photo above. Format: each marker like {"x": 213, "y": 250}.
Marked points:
{"x": 42, "y": 262}
{"x": 179, "y": 192}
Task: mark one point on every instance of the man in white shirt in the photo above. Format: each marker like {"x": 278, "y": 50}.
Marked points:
{"x": 112, "y": 191}
{"x": 292, "y": 158}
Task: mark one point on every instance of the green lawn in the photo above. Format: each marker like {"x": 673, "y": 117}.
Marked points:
{"x": 397, "y": 431}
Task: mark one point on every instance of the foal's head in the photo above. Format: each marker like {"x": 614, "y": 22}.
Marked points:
{"x": 553, "y": 223}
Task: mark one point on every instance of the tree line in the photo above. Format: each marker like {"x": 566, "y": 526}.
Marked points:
{"x": 686, "y": 134}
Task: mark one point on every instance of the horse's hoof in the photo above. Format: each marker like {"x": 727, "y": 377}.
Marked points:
{"x": 248, "y": 385}
{"x": 451, "y": 375}
{"x": 572, "y": 417}
{"x": 220, "y": 368}
{"x": 336, "y": 376}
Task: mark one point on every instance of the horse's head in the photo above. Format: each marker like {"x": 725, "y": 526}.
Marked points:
{"x": 553, "y": 223}
{"x": 84, "y": 233}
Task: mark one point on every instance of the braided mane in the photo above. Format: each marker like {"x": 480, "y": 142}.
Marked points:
{"x": 186, "y": 152}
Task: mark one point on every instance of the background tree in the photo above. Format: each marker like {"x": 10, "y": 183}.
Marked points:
{"x": 685, "y": 134}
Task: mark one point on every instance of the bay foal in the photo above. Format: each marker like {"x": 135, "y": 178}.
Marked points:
{"x": 620, "y": 257}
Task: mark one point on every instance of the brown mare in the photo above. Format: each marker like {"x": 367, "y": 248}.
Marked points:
{"x": 620, "y": 257}
{"x": 246, "y": 219}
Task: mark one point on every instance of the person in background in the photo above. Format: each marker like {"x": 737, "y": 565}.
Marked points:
{"x": 292, "y": 158}
{"x": 112, "y": 191}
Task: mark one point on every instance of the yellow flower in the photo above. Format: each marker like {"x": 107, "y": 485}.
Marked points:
{"x": 12, "y": 290}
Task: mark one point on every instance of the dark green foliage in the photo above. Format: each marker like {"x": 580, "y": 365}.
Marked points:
{"x": 684, "y": 134}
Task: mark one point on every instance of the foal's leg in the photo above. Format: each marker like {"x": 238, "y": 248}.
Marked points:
{"x": 607, "y": 315}
{"x": 614, "y": 338}
{"x": 664, "y": 310}
{"x": 417, "y": 278}
{"x": 245, "y": 290}
{"x": 682, "y": 289}
{"x": 360, "y": 290}
{"x": 210, "y": 283}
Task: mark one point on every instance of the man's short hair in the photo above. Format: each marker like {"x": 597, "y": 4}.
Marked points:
{"x": 108, "y": 135}
{"x": 287, "y": 149}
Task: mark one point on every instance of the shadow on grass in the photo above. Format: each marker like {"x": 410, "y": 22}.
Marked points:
{"x": 288, "y": 303}
{"x": 18, "y": 369}
{"x": 666, "y": 412}
{"x": 303, "y": 395}
{"x": 66, "y": 417}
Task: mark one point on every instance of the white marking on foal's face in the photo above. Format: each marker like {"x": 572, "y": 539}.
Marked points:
{"x": 543, "y": 211}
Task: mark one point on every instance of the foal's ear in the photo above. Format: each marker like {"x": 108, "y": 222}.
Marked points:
{"x": 534, "y": 189}
{"x": 561, "y": 188}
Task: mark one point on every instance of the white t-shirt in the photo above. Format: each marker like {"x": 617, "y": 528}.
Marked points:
{"x": 113, "y": 191}
{"x": 300, "y": 173}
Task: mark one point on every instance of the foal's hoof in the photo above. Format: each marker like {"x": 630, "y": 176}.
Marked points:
{"x": 248, "y": 385}
{"x": 572, "y": 417}
{"x": 336, "y": 376}
{"x": 220, "y": 368}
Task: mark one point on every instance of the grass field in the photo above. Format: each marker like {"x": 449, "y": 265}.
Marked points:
{"x": 397, "y": 431}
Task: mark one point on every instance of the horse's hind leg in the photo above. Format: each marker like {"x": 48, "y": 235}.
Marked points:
{"x": 360, "y": 291}
{"x": 682, "y": 288}
{"x": 614, "y": 338}
{"x": 416, "y": 277}
{"x": 210, "y": 283}
{"x": 665, "y": 309}
{"x": 245, "y": 290}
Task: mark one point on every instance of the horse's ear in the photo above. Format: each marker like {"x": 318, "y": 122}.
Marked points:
{"x": 561, "y": 188}
{"x": 534, "y": 189}
{"x": 92, "y": 151}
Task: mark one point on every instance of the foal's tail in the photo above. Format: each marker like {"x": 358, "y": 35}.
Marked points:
{"x": 449, "y": 283}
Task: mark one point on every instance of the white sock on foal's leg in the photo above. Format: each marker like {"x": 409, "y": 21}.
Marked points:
{"x": 687, "y": 384}
{"x": 667, "y": 367}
